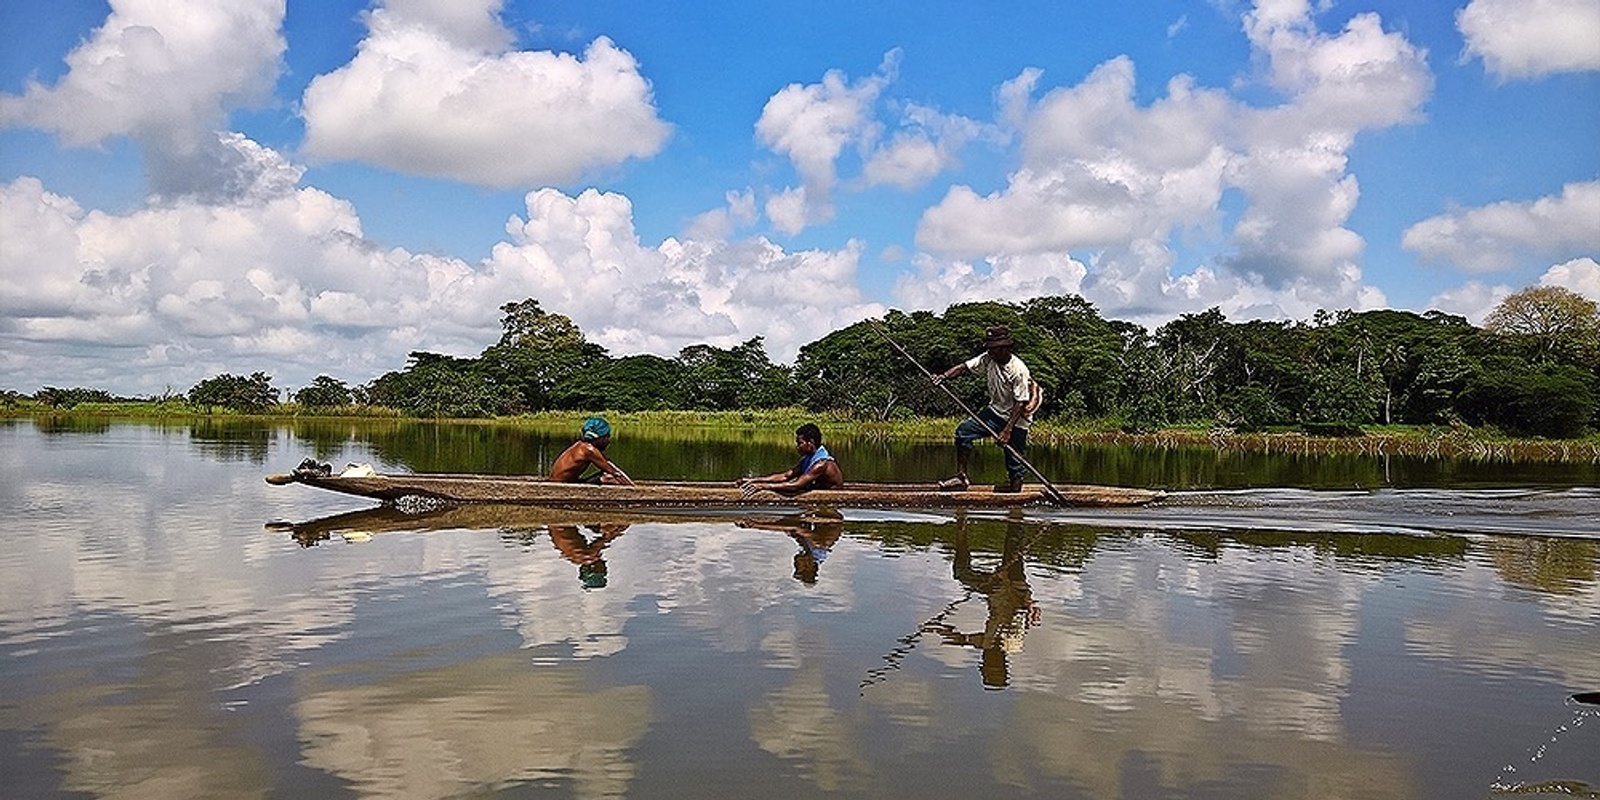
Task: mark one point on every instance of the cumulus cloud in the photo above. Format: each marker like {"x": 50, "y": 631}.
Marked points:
{"x": 165, "y": 75}
{"x": 721, "y": 223}
{"x": 287, "y": 283}
{"x": 926, "y": 144}
{"x": 581, "y": 256}
{"x": 1475, "y": 299}
{"x": 1532, "y": 38}
{"x": 934, "y": 284}
{"x": 1580, "y": 275}
{"x": 1503, "y": 235}
{"x": 157, "y": 68}
{"x": 165, "y": 293}
{"x": 1114, "y": 182}
{"x": 815, "y": 125}
{"x": 811, "y": 125}
{"x": 433, "y": 91}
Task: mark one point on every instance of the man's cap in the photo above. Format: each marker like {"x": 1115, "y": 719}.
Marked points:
{"x": 592, "y": 575}
{"x": 997, "y": 336}
{"x": 595, "y": 428}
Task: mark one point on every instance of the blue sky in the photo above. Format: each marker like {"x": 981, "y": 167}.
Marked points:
{"x": 319, "y": 188}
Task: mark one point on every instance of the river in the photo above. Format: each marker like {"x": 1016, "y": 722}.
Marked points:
{"x": 1280, "y": 626}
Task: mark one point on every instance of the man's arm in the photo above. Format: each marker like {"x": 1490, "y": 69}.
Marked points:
{"x": 1019, "y": 409}
{"x": 598, "y": 458}
{"x": 776, "y": 477}
{"x": 953, "y": 372}
{"x": 803, "y": 481}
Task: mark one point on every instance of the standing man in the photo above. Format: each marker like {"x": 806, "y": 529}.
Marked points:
{"x": 1013, "y": 397}
{"x": 589, "y": 450}
{"x": 816, "y": 468}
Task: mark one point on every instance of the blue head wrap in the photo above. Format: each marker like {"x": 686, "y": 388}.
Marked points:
{"x": 595, "y": 428}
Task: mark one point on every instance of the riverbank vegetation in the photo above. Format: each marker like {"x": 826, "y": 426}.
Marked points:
{"x": 1380, "y": 379}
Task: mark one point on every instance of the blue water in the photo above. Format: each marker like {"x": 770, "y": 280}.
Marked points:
{"x": 172, "y": 626}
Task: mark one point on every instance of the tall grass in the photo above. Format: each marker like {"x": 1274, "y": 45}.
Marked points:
{"x": 1426, "y": 441}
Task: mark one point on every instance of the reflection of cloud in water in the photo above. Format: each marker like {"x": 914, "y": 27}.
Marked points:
{"x": 1118, "y": 668}
{"x": 1051, "y": 734}
{"x": 1275, "y": 658}
{"x": 799, "y": 723}
{"x": 723, "y": 582}
{"x": 134, "y": 552}
{"x": 419, "y": 734}
{"x": 159, "y": 735}
{"x": 1556, "y": 645}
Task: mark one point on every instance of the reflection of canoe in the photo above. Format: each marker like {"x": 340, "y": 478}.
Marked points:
{"x": 369, "y": 522}
{"x": 528, "y": 490}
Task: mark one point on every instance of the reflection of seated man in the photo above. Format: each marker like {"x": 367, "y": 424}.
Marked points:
{"x": 1011, "y": 607}
{"x": 816, "y": 536}
{"x": 589, "y": 449}
{"x": 578, "y": 549}
{"x": 816, "y": 469}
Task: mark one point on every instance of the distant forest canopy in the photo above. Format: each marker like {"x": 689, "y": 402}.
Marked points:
{"x": 1532, "y": 369}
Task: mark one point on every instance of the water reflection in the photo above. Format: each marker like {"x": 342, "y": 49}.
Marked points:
{"x": 484, "y": 725}
{"x": 816, "y": 534}
{"x": 577, "y": 547}
{"x": 1012, "y": 610}
{"x": 155, "y": 641}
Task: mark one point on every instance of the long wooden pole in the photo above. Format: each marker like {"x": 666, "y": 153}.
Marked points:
{"x": 1049, "y": 488}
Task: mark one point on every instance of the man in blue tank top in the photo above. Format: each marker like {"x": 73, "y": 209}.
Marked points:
{"x": 816, "y": 469}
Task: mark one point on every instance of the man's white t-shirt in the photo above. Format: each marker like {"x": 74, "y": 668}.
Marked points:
{"x": 1007, "y": 385}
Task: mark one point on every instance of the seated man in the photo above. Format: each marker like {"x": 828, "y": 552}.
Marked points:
{"x": 816, "y": 469}
{"x": 589, "y": 449}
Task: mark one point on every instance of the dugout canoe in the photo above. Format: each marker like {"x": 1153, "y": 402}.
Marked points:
{"x": 536, "y": 490}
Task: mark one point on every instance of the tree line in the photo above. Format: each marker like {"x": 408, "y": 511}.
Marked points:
{"x": 1532, "y": 369}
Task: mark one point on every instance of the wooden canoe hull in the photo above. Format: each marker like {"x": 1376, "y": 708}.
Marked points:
{"x": 531, "y": 490}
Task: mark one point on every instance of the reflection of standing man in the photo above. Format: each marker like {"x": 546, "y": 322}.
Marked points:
{"x": 1011, "y": 607}
{"x": 578, "y": 549}
{"x": 816, "y": 536}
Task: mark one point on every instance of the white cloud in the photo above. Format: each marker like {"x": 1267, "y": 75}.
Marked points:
{"x": 791, "y": 210}
{"x": 925, "y": 145}
{"x": 720, "y": 223}
{"x": 428, "y": 94}
{"x": 581, "y": 257}
{"x": 173, "y": 292}
{"x": 472, "y": 24}
{"x": 158, "y": 69}
{"x": 155, "y": 297}
{"x": 1532, "y": 38}
{"x": 1581, "y": 275}
{"x": 1473, "y": 300}
{"x": 937, "y": 284}
{"x": 811, "y": 125}
{"x": 1114, "y": 182}
{"x": 166, "y": 75}
{"x": 1502, "y": 235}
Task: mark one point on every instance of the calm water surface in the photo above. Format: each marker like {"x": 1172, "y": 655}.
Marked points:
{"x": 171, "y": 626}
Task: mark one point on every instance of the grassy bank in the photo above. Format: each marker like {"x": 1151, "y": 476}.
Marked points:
{"x": 1422, "y": 441}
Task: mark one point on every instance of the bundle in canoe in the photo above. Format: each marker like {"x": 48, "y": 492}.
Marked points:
{"x": 531, "y": 490}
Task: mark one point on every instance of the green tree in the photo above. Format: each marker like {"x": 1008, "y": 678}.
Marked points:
{"x": 1555, "y": 325}
{"x": 324, "y": 392}
{"x": 435, "y": 385}
{"x": 536, "y": 351}
{"x": 67, "y": 398}
{"x": 630, "y": 383}
{"x": 1077, "y": 356}
{"x": 743, "y": 376}
{"x": 1555, "y": 400}
{"x": 251, "y": 394}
